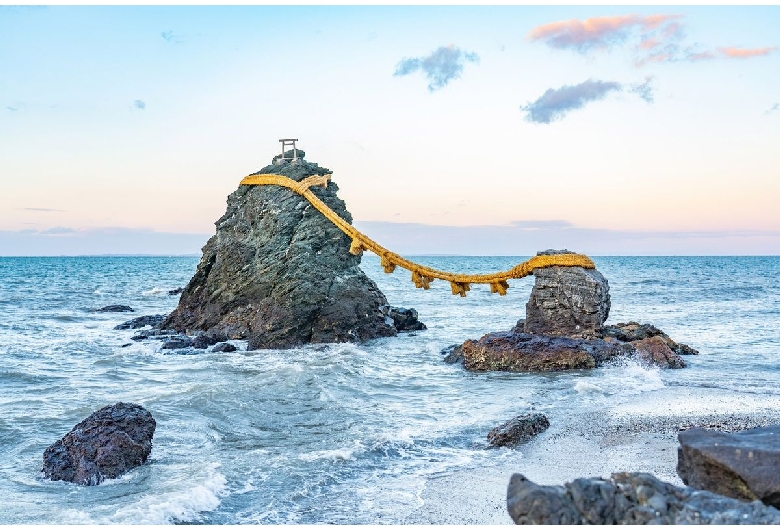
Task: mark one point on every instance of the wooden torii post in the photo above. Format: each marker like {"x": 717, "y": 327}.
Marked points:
{"x": 289, "y": 142}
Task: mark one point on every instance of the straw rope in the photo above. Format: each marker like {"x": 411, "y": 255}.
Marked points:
{"x": 422, "y": 276}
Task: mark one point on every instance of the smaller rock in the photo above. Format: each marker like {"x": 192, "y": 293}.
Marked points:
{"x": 204, "y": 340}
{"x": 176, "y": 291}
{"x": 177, "y": 343}
{"x": 106, "y": 444}
{"x": 140, "y": 322}
{"x": 115, "y": 309}
{"x": 452, "y": 353}
{"x": 633, "y": 331}
{"x": 519, "y": 429}
{"x": 159, "y": 334}
{"x": 744, "y": 465}
{"x": 223, "y": 347}
{"x": 403, "y": 319}
{"x": 654, "y": 351}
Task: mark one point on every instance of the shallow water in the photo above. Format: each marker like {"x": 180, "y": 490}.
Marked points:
{"x": 339, "y": 433}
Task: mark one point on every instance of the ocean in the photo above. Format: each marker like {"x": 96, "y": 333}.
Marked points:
{"x": 344, "y": 433}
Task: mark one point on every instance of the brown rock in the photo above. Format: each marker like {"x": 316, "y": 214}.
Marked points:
{"x": 519, "y": 429}
{"x": 654, "y": 351}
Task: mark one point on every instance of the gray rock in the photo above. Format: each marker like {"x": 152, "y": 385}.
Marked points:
{"x": 517, "y": 430}
{"x": 403, "y": 319}
{"x": 177, "y": 343}
{"x": 115, "y": 309}
{"x": 224, "y": 347}
{"x": 279, "y": 274}
{"x": 140, "y": 322}
{"x": 627, "y": 498}
{"x": 567, "y": 302}
{"x": 176, "y": 291}
{"x": 452, "y": 354}
{"x": 743, "y": 465}
{"x": 633, "y": 331}
{"x": 106, "y": 444}
{"x": 204, "y": 340}
{"x": 156, "y": 334}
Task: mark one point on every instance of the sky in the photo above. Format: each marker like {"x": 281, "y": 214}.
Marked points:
{"x": 609, "y": 130}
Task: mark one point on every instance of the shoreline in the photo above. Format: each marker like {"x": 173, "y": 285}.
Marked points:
{"x": 564, "y": 453}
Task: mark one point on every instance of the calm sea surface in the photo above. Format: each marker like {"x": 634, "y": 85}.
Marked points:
{"x": 337, "y": 433}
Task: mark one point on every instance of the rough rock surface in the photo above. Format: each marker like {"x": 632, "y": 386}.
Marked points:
{"x": 279, "y": 274}
{"x": 115, "y": 309}
{"x": 633, "y": 331}
{"x": 627, "y": 498}
{"x": 743, "y": 465}
{"x": 403, "y": 319}
{"x": 524, "y": 352}
{"x": 654, "y": 351}
{"x": 567, "y": 301}
{"x": 109, "y": 442}
{"x": 223, "y": 347}
{"x": 517, "y": 430}
{"x": 140, "y": 322}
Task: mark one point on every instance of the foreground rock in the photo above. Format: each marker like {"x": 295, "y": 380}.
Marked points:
{"x": 115, "y": 309}
{"x": 627, "y": 498}
{"x": 140, "y": 322}
{"x": 279, "y": 274}
{"x": 567, "y": 301}
{"x": 403, "y": 319}
{"x": 655, "y": 352}
{"x": 105, "y": 445}
{"x": 517, "y": 430}
{"x": 743, "y": 465}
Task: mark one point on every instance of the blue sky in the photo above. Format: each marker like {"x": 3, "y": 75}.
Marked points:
{"x": 607, "y": 129}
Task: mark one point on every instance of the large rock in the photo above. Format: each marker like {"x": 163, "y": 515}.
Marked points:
{"x": 744, "y": 465}
{"x": 106, "y": 444}
{"x": 523, "y": 352}
{"x": 567, "y": 301}
{"x": 279, "y": 274}
{"x": 627, "y": 498}
{"x": 517, "y": 430}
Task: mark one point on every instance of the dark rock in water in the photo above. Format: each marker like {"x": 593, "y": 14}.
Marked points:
{"x": 224, "y": 347}
{"x": 403, "y": 319}
{"x": 524, "y": 352}
{"x": 106, "y": 444}
{"x": 146, "y": 320}
{"x": 633, "y": 331}
{"x": 204, "y": 340}
{"x": 519, "y": 429}
{"x": 567, "y": 301}
{"x": 177, "y": 343}
{"x": 654, "y": 351}
{"x": 743, "y": 465}
{"x": 115, "y": 309}
{"x": 453, "y": 354}
{"x": 157, "y": 334}
{"x": 279, "y": 274}
{"x": 176, "y": 291}
{"x": 627, "y": 498}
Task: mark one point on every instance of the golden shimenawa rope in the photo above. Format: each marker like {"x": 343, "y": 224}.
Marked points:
{"x": 422, "y": 276}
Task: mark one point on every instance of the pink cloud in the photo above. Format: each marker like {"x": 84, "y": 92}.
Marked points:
{"x": 598, "y": 32}
{"x": 744, "y": 53}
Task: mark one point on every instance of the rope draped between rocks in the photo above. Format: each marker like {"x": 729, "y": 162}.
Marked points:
{"x": 422, "y": 276}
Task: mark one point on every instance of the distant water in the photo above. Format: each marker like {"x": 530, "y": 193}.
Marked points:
{"x": 337, "y": 433}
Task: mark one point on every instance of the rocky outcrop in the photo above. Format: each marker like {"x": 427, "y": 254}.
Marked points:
{"x": 627, "y": 498}
{"x": 105, "y": 445}
{"x": 279, "y": 274}
{"x": 567, "y": 301}
{"x": 115, "y": 309}
{"x": 743, "y": 465}
{"x": 140, "y": 322}
{"x": 517, "y": 430}
{"x": 403, "y": 319}
{"x": 634, "y": 331}
{"x": 523, "y": 352}
{"x": 655, "y": 352}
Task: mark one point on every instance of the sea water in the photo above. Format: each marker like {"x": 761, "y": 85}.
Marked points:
{"x": 339, "y": 433}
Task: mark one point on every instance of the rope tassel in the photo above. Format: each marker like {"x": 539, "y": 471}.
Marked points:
{"x": 356, "y": 247}
{"x": 499, "y": 287}
{"x": 460, "y": 288}
{"x": 388, "y": 265}
{"x": 421, "y": 281}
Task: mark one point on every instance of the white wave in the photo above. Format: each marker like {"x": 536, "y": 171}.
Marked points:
{"x": 585, "y": 387}
{"x": 183, "y": 505}
{"x": 155, "y": 291}
{"x": 343, "y": 454}
{"x": 97, "y": 291}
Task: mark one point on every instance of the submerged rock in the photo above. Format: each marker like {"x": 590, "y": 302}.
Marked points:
{"x": 140, "y": 322}
{"x": 517, "y": 430}
{"x": 115, "y": 309}
{"x": 743, "y": 465}
{"x": 567, "y": 301}
{"x": 279, "y": 274}
{"x": 105, "y": 445}
{"x": 627, "y": 498}
{"x": 223, "y": 347}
